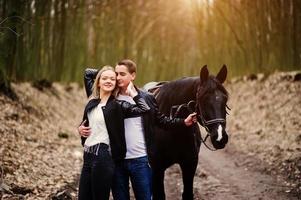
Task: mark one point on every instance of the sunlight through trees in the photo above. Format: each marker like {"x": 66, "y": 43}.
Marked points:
{"x": 57, "y": 39}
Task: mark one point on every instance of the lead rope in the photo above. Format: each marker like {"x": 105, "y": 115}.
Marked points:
{"x": 203, "y": 124}
{"x": 204, "y": 142}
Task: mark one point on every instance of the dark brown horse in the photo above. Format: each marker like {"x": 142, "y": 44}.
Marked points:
{"x": 206, "y": 96}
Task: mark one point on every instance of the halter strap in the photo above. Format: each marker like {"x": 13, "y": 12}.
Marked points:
{"x": 204, "y": 142}
{"x": 214, "y": 121}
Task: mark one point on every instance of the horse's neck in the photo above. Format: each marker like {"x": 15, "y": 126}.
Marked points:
{"x": 186, "y": 90}
{"x": 177, "y": 92}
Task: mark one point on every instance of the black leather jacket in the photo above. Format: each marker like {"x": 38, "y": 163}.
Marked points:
{"x": 114, "y": 113}
{"x": 150, "y": 118}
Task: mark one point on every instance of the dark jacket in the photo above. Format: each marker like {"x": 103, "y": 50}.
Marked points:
{"x": 114, "y": 113}
{"x": 150, "y": 119}
{"x": 155, "y": 118}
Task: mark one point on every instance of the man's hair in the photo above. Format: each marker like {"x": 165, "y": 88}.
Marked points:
{"x": 131, "y": 65}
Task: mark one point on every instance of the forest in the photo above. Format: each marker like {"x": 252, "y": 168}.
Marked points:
{"x": 45, "y": 45}
{"x": 57, "y": 39}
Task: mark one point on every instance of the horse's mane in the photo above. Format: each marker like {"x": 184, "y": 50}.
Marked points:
{"x": 191, "y": 83}
{"x": 183, "y": 90}
{"x": 181, "y": 86}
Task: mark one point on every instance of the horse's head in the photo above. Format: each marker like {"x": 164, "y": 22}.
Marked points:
{"x": 211, "y": 105}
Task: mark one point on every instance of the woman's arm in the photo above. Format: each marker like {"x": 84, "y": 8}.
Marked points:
{"x": 89, "y": 77}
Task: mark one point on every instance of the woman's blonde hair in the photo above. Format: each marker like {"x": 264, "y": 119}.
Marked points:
{"x": 96, "y": 88}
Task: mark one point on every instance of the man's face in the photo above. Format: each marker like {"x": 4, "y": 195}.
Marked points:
{"x": 124, "y": 77}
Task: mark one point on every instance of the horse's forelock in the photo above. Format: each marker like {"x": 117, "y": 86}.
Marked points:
{"x": 211, "y": 84}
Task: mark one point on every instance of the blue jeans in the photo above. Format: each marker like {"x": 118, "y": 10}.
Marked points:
{"x": 139, "y": 172}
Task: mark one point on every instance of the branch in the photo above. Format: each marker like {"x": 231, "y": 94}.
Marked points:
{"x": 1, "y": 177}
{"x": 3, "y": 186}
{"x": 22, "y": 19}
{"x": 6, "y": 27}
{"x": 236, "y": 37}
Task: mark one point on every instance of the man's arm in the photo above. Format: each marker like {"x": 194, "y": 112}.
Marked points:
{"x": 130, "y": 110}
{"x": 89, "y": 77}
{"x": 166, "y": 122}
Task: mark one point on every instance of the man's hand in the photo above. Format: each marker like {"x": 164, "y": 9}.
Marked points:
{"x": 84, "y": 131}
{"x": 190, "y": 119}
{"x": 131, "y": 90}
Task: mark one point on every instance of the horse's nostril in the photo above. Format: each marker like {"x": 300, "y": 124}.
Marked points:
{"x": 219, "y": 144}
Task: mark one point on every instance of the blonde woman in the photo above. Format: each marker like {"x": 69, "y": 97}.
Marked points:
{"x": 104, "y": 139}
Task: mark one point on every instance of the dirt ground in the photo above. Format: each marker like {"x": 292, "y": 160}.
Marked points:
{"x": 41, "y": 156}
{"x": 229, "y": 175}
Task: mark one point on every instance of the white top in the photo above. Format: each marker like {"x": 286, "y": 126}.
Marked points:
{"x": 99, "y": 133}
{"x": 134, "y": 134}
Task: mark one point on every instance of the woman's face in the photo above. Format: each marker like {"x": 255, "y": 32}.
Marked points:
{"x": 107, "y": 81}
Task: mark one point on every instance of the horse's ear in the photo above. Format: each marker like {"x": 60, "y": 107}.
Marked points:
{"x": 222, "y": 74}
{"x": 204, "y": 73}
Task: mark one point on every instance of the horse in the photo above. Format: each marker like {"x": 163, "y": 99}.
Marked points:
{"x": 204, "y": 95}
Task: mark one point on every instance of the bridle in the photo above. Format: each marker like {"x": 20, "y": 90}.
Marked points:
{"x": 205, "y": 122}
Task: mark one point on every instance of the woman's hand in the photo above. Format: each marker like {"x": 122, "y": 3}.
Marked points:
{"x": 131, "y": 90}
{"x": 83, "y": 130}
{"x": 190, "y": 119}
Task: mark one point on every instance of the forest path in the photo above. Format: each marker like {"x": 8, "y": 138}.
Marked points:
{"x": 228, "y": 174}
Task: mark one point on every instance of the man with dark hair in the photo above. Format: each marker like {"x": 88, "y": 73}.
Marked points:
{"x": 138, "y": 135}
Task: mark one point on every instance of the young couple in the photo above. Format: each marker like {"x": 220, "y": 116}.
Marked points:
{"x": 116, "y": 133}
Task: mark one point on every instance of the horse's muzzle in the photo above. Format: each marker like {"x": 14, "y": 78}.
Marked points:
{"x": 219, "y": 143}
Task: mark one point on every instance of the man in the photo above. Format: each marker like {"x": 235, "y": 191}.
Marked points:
{"x": 138, "y": 135}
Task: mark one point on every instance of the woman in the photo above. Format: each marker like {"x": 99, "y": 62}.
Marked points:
{"x": 105, "y": 116}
